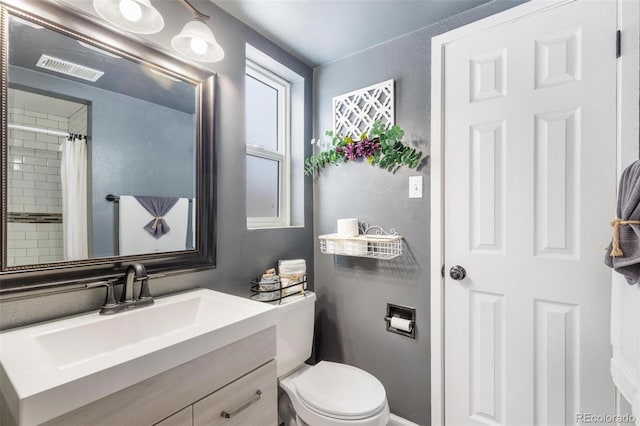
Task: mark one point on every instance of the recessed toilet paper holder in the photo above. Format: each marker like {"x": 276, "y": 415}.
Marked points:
{"x": 405, "y": 316}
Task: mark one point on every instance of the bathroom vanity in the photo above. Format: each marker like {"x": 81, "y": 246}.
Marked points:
{"x": 200, "y": 357}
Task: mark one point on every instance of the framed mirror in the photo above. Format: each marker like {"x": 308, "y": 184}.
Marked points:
{"x": 107, "y": 152}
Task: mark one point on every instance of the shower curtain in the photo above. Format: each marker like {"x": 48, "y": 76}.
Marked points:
{"x": 73, "y": 173}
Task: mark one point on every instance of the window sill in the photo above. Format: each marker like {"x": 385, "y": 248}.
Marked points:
{"x": 258, "y": 228}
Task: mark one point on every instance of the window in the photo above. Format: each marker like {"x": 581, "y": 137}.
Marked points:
{"x": 267, "y": 115}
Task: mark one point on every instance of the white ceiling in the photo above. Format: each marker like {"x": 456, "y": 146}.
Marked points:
{"x": 321, "y": 31}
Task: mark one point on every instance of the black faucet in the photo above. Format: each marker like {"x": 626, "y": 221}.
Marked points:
{"x": 135, "y": 272}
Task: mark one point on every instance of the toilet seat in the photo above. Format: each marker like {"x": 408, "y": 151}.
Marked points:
{"x": 340, "y": 391}
{"x": 332, "y": 394}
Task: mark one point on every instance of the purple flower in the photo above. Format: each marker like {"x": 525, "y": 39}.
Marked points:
{"x": 366, "y": 148}
{"x": 350, "y": 151}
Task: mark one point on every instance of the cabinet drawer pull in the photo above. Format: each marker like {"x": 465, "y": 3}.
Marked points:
{"x": 229, "y": 414}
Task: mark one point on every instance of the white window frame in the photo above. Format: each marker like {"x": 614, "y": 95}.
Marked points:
{"x": 282, "y": 155}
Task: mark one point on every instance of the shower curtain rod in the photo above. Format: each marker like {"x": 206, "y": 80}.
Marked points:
{"x": 45, "y": 131}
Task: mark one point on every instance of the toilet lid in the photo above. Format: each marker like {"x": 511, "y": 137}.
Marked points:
{"x": 341, "y": 391}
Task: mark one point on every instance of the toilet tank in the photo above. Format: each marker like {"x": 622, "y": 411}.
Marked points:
{"x": 294, "y": 332}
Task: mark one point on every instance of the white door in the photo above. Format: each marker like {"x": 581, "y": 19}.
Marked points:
{"x": 530, "y": 161}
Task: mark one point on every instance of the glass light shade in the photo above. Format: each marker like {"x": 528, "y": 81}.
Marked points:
{"x": 193, "y": 39}
{"x": 136, "y": 16}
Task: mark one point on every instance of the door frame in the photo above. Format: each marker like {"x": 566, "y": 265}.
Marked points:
{"x": 628, "y": 89}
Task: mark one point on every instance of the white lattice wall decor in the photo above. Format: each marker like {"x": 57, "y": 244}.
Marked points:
{"x": 355, "y": 112}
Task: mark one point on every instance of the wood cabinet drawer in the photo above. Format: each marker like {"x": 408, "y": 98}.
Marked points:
{"x": 183, "y": 417}
{"x": 240, "y": 400}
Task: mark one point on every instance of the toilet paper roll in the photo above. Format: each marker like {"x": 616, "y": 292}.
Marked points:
{"x": 401, "y": 324}
{"x": 348, "y": 227}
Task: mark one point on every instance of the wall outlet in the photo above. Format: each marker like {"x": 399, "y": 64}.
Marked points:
{"x": 415, "y": 186}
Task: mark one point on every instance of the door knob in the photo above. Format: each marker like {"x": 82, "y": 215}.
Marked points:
{"x": 457, "y": 272}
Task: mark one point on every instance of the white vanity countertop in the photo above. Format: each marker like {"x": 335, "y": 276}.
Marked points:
{"x": 52, "y": 368}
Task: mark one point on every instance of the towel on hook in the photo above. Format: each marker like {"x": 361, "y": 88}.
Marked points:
{"x": 158, "y": 207}
{"x": 623, "y": 253}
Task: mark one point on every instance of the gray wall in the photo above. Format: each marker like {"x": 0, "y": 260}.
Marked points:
{"x": 353, "y": 292}
{"x": 241, "y": 254}
{"x": 129, "y": 152}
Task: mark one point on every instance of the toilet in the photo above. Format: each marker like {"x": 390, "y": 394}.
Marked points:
{"x": 325, "y": 394}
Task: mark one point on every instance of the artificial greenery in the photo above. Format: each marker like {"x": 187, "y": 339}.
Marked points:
{"x": 381, "y": 147}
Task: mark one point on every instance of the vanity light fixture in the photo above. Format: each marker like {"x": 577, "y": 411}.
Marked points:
{"x": 136, "y": 16}
{"x": 196, "y": 41}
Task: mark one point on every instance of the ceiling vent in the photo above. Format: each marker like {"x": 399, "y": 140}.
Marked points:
{"x": 68, "y": 68}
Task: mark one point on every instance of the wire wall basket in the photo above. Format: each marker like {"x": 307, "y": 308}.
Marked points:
{"x": 277, "y": 291}
{"x": 373, "y": 242}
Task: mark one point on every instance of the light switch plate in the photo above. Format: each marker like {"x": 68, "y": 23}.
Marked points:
{"x": 415, "y": 186}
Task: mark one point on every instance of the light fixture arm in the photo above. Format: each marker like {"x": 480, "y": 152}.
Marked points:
{"x": 196, "y": 12}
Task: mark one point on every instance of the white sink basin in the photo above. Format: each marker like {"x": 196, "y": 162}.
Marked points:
{"x": 52, "y": 368}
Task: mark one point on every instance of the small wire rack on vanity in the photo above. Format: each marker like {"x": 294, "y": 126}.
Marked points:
{"x": 276, "y": 292}
{"x": 373, "y": 242}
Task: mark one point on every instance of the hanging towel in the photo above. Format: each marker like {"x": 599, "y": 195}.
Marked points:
{"x": 134, "y": 239}
{"x": 158, "y": 207}
{"x": 623, "y": 253}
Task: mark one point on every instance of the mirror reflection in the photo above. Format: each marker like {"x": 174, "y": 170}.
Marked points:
{"x": 101, "y": 152}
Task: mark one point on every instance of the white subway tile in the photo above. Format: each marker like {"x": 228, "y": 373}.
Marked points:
{"x": 49, "y": 259}
{"x": 20, "y": 261}
{"x": 46, "y": 170}
{"x": 22, "y": 200}
{"x": 47, "y": 201}
{"x": 53, "y": 178}
{"x": 47, "y": 226}
{"x": 47, "y": 185}
{"x": 15, "y": 208}
{"x": 34, "y": 160}
{"x": 57, "y": 251}
{"x": 29, "y": 144}
{"x": 17, "y": 252}
{"x": 53, "y": 162}
{"x": 15, "y": 142}
{"x": 34, "y": 177}
{"x": 57, "y": 235}
{"x": 57, "y": 118}
{"x": 14, "y": 226}
{"x": 35, "y": 208}
{"x": 23, "y": 168}
{"x": 22, "y": 151}
{"x": 15, "y": 192}
{"x": 45, "y": 153}
{"x": 20, "y": 134}
{"x": 22, "y": 244}
{"x": 21, "y": 184}
{"x": 42, "y": 251}
{"x": 35, "y": 114}
{"x": 41, "y": 137}
{"x": 35, "y": 192}
{"x": 49, "y": 243}
{"x": 14, "y": 235}
{"x": 38, "y": 235}
{"x": 55, "y": 209}
{"x": 47, "y": 123}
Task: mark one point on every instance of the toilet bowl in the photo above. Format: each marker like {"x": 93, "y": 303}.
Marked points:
{"x": 328, "y": 393}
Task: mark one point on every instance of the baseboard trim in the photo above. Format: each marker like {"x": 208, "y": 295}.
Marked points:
{"x": 399, "y": 421}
